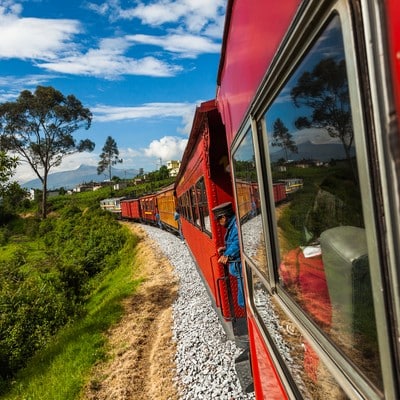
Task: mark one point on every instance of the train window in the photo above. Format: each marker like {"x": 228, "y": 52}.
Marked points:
{"x": 309, "y": 373}
{"x": 203, "y": 206}
{"x": 194, "y": 205}
{"x": 185, "y": 206}
{"x": 321, "y": 236}
{"x": 248, "y": 203}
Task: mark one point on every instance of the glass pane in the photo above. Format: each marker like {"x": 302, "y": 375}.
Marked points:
{"x": 310, "y": 374}
{"x": 248, "y": 199}
{"x": 193, "y": 202}
{"x": 203, "y": 206}
{"x": 322, "y": 241}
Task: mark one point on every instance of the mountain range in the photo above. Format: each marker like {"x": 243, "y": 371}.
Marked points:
{"x": 310, "y": 151}
{"x": 72, "y": 178}
{"x": 88, "y": 173}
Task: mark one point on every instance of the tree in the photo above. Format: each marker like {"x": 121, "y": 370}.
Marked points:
{"x": 325, "y": 90}
{"x": 108, "y": 157}
{"x": 282, "y": 138}
{"x": 39, "y": 126}
{"x": 7, "y": 166}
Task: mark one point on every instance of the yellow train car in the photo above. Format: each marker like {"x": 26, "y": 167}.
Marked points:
{"x": 166, "y": 204}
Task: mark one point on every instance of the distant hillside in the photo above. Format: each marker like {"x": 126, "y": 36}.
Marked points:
{"x": 311, "y": 151}
{"x": 83, "y": 174}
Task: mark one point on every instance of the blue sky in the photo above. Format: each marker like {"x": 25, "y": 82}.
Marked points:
{"x": 141, "y": 66}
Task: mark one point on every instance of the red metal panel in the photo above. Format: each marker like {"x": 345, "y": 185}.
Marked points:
{"x": 203, "y": 250}
{"x": 393, "y": 18}
{"x": 251, "y": 39}
{"x": 125, "y": 211}
{"x": 267, "y": 384}
{"x": 135, "y": 209}
{"x": 279, "y": 192}
{"x": 148, "y": 208}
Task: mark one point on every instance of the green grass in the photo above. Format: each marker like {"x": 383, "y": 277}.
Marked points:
{"x": 60, "y": 371}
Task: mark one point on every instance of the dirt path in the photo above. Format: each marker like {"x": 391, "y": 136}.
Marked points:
{"x": 140, "y": 365}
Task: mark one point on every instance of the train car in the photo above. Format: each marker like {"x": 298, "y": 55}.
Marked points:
{"x": 279, "y": 192}
{"x": 317, "y": 80}
{"x": 167, "y": 205}
{"x": 130, "y": 209}
{"x": 204, "y": 182}
{"x": 112, "y": 205}
{"x": 148, "y": 209}
{"x": 292, "y": 184}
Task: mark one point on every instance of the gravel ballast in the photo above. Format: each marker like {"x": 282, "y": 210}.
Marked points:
{"x": 205, "y": 357}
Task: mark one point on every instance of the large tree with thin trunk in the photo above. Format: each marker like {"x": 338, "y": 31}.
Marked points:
{"x": 108, "y": 157}
{"x": 282, "y": 138}
{"x": 325, "y": 91}
{"x": 39, "y": 127}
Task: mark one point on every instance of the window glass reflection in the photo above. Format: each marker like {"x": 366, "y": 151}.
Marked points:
{"x": 322, "y": 241}
{"x": 203, "y": 206}
{"x": 309, "y": 372}
{"x": 248, "y": 203}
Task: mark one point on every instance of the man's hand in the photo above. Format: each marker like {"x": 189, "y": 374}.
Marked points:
{"x": 221, "y": 250}
{"x": 223, "y": 259}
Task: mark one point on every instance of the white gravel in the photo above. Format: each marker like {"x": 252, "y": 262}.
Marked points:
{"x": 205, "y": 358}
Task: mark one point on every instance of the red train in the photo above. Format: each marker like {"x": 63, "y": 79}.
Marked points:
{"x": 303, "y": 138}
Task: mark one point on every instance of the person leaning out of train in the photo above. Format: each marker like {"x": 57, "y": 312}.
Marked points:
{"x": 230, "y": 253}
{"x": 177, "y": 218}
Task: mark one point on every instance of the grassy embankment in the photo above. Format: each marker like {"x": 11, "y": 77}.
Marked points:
{"x": 59, "y": 370}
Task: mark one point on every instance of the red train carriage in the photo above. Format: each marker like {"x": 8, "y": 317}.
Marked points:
{"x": 204, "y": 182}
{"x": 148, "y": 209}
{"x": 167, "y": 204}
{"x": 130, "y": 209}
{"x": 317, "y": 81}
{"x": 279, "y": 192}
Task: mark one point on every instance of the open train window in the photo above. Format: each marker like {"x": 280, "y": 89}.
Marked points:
{"x": 203, "y": 206}
{"x": 185, "y": 206}
{"x": 248, "y": 203}
{"x": 194, "y": 206}
{"x": 323, "y": 260}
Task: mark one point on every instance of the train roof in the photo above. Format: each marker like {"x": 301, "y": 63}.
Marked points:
{"x": 245, "y": 57}
{"x": 201, "y": 110}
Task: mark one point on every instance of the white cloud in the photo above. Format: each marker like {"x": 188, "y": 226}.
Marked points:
{"x": 315, "y": 136}
{"x": 11, "y": 86}
{"x": 194, "y": 15}
{"x": 109, "y": 61}
{"x": 167, "y": 148}
{"x": 149, "y": 110}
{"x": 54, "y": 44}
{"x": 100, "y": 64}
{"x": 185, "y": 44}
{"x": 33, "y": 37}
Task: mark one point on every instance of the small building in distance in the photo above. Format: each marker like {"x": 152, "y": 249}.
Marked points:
{"x": 173, "y": 167}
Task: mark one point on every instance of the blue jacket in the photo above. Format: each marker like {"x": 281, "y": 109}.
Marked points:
{"x": 231, "y": 239}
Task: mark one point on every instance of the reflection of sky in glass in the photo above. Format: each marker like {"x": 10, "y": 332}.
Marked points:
{"x": 330, "y": 44}
{"x": 245, "y": 152}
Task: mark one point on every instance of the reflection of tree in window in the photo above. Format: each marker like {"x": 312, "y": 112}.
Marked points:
{"x": 246, "y": 170}
{"x": 282, "y": 138}
{"x": 325, "y": 90}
